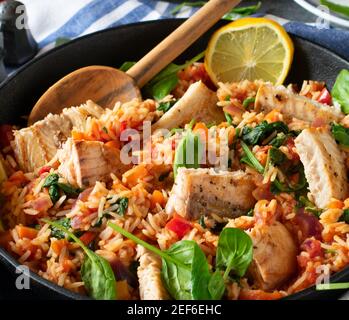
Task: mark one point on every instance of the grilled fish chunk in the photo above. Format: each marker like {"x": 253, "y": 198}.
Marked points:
{"x": 36, "y": 145}
{"x": 199, "y": 103}
{"x": 149, "y": 276}
{"x": 83, "y": 163}
{"x": 324, "y": 165}
{"x": 199, "y": 192}
{"x": 274, "y": 256}
{"x": 292, "y": 105}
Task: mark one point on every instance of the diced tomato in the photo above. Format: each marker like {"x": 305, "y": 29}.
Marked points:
{"x": 123, "y": 126}
{"x": 58, "y": 245}
{"x": 6, "y": 135}
{"x": 157, "y": 197}
{"x": 87, "y": 237}
{"x": 325, "y": 97}
{"x": 179, "y": 225}
{"x": 247, "y": 294}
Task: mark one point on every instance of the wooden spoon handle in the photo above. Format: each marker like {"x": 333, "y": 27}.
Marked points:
{"x": 179, "y": 40}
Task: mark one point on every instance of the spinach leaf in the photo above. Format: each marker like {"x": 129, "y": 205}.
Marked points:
{"x": 250, "y": 213}
{"x": 96, "y": 272}
{"x": 123, "y": 204}
{"x": 165, "y": 106}
{"x": 127, "y": 65}
{"x": 233, "y": 14}
{"x": 58, "y": 233}
{"x": 163, "y": 83}
{"x": 276, "y": 157}
{"x": 250, "y": 159}
{"x": 53, "y": 191}
{"x": 50, "y": 180}
{"x": 185, "y": 270}
{"x": 304, "y": 202}
{"x": 234, "y": 252}
{"x": 253, "y": 136}
{"x": 340, "y": 90}
{"x": 345, "y": 216}
{"x": 69, "y": 190}
{"x": 188, "y": 153}
{"x": 340, "y": 133}
{"x": 279, "y": 140}
{"x": 277, "y": 186}
{"x": 202, "y": 221}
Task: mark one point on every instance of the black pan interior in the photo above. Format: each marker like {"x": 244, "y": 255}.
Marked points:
{"x": 129, "y": 43}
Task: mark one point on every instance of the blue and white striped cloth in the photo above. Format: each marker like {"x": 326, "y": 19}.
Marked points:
{"x": 53, "y": 19}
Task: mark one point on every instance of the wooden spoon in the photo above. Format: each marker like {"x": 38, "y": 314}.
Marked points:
{"x": 106, "y": 85}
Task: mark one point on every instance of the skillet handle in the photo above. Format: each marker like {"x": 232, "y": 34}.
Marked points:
{"x": 179, "y": 40}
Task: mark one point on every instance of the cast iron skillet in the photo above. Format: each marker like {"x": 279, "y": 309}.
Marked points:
{"x": 129, "y": 43}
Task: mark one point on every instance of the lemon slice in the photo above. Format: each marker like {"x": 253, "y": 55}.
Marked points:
{"x": 249, "y": 48}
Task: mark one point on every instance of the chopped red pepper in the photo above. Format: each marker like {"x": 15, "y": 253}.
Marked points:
{"x": 87, "y": 237}
{"x": 44, "y": 170}
{"x": 325, "y": 97}
{"x": 123, "y": 126}
{"x": 179, "y": 225}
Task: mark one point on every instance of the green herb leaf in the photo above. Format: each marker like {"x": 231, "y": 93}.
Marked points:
{"x": 345, "y": 216}
{"x": 123, "y": 204}
{"x": 277, "y": 186}
{"x": 253, "y": 136}
{"x": 341, "y": 134}
{"x": 163, "y": 83}
{"x": 185, "y": 270}
{"x": 188, "y": 153}
{"x": 127, "y": 65}
{"x": 69, "y": 190}
{"x": 234, "y": 252}
{"x": 50, "y": 180}
{"x": 340, "y": 90}
{"x": 96, "y": 272}
{"x": 276, "y": 157}
{"x": 202, "y": 221}
{"x": 279, "y": 140}
{"x": 250, "y": 213}
{"x": 58, "y": 233}
{"x": 165, "y": 106}
{"x": 250, "y": 159}
{"x": 53, "y": 191}
{"x": 304, "y": 202}
{"x": 216, "y": 286}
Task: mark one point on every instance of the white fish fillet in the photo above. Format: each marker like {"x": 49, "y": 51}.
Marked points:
{"x": 274, "y": 256}
{"x": 149, "y": 276}
{"x": 323, "y": 165}
{"x": 293, "y": 105}
{"x": 83, "y": 163}
{"x": 36, "y": 145}
{"x": 199, "y": 192}
{"x": 199, "y": 103}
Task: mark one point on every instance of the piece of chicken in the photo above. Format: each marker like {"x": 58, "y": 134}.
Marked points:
{"x": 324, "y": 165}
{"x": 274, "y": 256}
{"x": 85, "y": 162}
{"x": 36, "y": 145}
{"x": 293, "y": 105}
{"x": 199, "y": 103}
{"x": 199, "y": 192}
{"x": 149, "y": 276}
